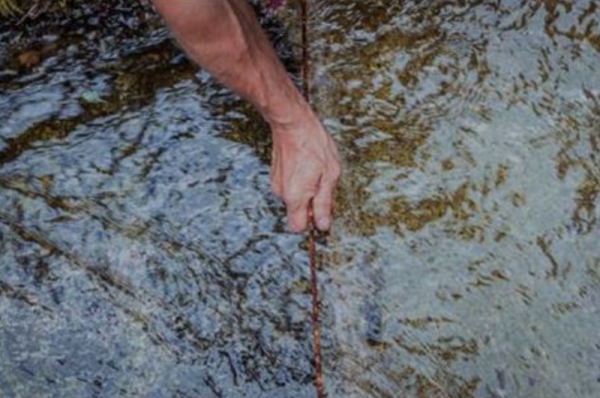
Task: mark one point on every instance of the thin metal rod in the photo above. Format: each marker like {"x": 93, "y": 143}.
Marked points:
{"x": 316, "y": 330}
{"x": 305, "y": 54}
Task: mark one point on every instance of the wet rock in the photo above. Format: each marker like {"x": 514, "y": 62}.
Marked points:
{"x": 7, "y": 74}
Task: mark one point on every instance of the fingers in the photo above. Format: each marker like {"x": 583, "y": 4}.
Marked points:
{"x": 306, "y": 173}
{"x": 322, "y": 201}
{"x": 296, "y": 190}
{"x": 297, "y": 213}
{"x": 322, "y": 204}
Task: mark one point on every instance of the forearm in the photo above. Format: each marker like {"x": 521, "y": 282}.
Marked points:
{"x": 224, "y": 37}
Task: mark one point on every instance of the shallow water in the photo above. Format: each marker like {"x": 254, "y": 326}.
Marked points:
{"x": 143, "y": 255}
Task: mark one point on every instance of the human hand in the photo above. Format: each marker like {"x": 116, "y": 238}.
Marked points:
{"x": 305, "y": 165}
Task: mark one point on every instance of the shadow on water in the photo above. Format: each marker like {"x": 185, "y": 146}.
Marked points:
{"x": 142, "y": 254}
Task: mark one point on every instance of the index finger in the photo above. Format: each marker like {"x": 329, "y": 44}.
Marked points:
{"x": 322, "y": 203}
{"x": 297, "y": 213}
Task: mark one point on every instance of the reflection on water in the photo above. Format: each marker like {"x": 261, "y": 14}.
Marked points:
{"x": 142, "y": 254}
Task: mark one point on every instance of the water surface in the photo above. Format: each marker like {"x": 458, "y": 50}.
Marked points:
{"x": 143, "y": 255}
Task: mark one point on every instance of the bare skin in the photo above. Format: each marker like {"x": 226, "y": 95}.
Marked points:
{"x": 224, "y": 37}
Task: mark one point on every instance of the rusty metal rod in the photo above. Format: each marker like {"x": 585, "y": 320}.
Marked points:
{"x": 316, "y": 331}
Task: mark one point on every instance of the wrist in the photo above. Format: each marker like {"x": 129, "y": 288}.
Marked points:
{"x": 288, "y": 117}
{"x": 283, "y": 106}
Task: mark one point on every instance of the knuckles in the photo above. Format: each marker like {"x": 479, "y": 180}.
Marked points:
{"x": 293, "y": 200}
